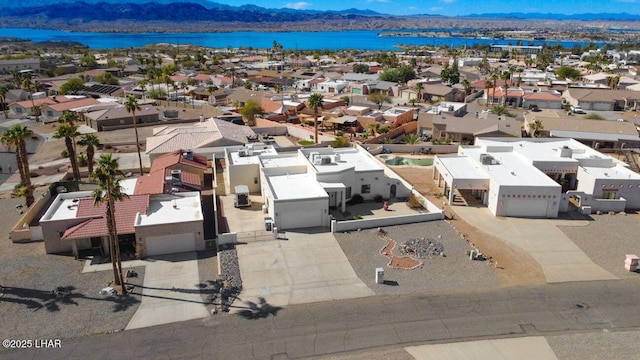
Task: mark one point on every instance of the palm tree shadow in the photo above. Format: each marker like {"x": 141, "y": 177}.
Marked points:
{"x": 259, "y": 311}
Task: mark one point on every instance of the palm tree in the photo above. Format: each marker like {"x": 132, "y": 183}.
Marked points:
{"x": 373, "y": 127}
{"x": 3, "y": 97}
{"x": 419, "y": 90}
{"x": 16, "y": 137}
{"x": 131, "y": 105}
{"x": 488, "y": 84}
{"x": 29, "y": 85}
{"x": 412, "y": 139}
{"x": 70, "y": 117}
{"x": 211, "y": 90}
{"x": 68, "y": 131}
{"x": 91, "y": 142}
{"x": 466, "y": 85}
{"x": 184, "y": 87}
{"x": 143, "y": 86}
{"x": 536, "y": 126}
{"x": 315, "y": 102}
{"x": 108, "y": 192}
{"x": 494, "y": 79}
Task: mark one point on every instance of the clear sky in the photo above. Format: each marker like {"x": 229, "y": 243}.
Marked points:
{"x": 454, "y": 7}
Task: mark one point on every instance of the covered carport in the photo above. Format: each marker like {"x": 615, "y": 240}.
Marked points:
{"x": 460, "y": 173}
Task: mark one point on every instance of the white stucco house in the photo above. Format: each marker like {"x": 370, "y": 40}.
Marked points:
{"x": 299, "y": 188}
{"x": 538, "y": 177}
{"x": 156, "y": 224}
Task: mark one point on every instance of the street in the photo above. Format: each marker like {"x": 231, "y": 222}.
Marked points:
{"x": 265, "y": 332}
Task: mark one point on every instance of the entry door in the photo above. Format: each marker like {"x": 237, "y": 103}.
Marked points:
{"x": 332, "y": 199}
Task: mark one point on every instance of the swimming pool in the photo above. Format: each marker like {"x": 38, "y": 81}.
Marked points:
{"x": 399, "y": 160}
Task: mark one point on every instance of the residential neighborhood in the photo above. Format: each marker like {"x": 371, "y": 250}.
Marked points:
{"x": 151, "y": 186}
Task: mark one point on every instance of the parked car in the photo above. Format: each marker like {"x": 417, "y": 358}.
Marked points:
{"x": 577, "y": 110}
{"x": 534, "y": 108}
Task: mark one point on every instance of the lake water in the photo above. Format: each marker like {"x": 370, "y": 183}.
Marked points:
{"x": 335, "y": 40}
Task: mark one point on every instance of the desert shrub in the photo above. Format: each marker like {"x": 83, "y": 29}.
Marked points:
{"x": 357, "y": 217}
{"x": 414, "y": 203}
{"x": 64, "y": 154}
{"x": 378, "y": 198}
{"x": 355, "y": 199}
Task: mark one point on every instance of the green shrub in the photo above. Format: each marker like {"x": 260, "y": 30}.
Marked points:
{"x": 355, "y": 199}
{"x": 357, "y": 217}
{"x": 64, "y": 154}
{"x": 414, "y": 203}
{"x": 378, "y": 198}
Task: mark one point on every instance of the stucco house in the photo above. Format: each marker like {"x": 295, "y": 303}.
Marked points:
{"x": 538, "y": 177}
{"x": 155, "y": 224}
{"x": 117, "y": 117}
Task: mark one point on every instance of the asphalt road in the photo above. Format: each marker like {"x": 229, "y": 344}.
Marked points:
{"x": 369, "y": 323}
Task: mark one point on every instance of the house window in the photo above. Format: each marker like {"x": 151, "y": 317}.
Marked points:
{"x": 443, "y": 134}
{"x": 609, "y": 194}
{"x": 255, "y": 180}
{"x": 347, "y": 193}
{"x": 49, "y": 113}
{"x": 365, "y": 189}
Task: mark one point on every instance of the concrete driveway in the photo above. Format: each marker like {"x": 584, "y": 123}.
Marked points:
{"x": 561, "y": 259}
{"x": 304, "y": 268}
{"x": 525, "y": 348}
{"x": 170, "y": 293}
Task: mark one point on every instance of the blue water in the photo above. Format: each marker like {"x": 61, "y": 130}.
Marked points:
{"x": 334, "y": 40}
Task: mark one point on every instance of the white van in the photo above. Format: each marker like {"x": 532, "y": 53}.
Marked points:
{"x": 577, "y": 110}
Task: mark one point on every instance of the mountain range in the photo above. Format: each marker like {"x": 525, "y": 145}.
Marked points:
{"x": 179, "y": 10}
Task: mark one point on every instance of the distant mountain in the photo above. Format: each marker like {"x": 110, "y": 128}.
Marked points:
{"x": 175, "y": 12}
{"x": 549, "y": 16}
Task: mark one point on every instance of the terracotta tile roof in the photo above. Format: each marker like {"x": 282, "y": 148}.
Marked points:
{"x": 68, "y": 105}
{"x": 43, "y": 102}
{"x": 154, "y": 183}
{"x": 96, "y": 223}
{"x": 542, "y": 96}
{"x": 178, "y": 157}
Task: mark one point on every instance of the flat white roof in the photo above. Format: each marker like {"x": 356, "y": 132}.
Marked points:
{"x": 65, "y": 206}
{"x": 174, "y": 208}
{"x": 283, "y": 160}
{"x": 128, "y": 185}
{"x": 462, "y": 167}
{"x": 251, "y": 153}
{"x": 347, "y": 159}
{"x": 295, "y": 187}
{"x": 617, "y": 172}
{"x": 511, "y": 168}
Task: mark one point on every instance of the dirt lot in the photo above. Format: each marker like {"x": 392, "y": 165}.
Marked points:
{"x": 515, "y": 266}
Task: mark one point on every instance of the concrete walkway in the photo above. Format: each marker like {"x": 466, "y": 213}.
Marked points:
{"x": 560, "y": 258}
{"x": 304, "y": 268}
{"x": 526, "y": 348}
{"x": 170, "y": 293}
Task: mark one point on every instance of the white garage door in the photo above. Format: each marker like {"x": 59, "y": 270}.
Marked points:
{"x": 527, "y": 208}
{"x": 170, "y": 244}
{"x": 303, "y": 219}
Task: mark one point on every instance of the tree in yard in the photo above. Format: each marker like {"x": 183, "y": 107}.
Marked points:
{"x": 250, "y": 109}
{"x": 379, "y": 99}
{"x": 68, "y": 131}
{"x": 466, "y": 85}
{"x": 494, "y": 79}
{"x": 131, "y": 106}
{"x": 413, "y": 101}
{"x": 3, "y": 97}
{"x": 412, "y": 139}
{"x": 108, "y": 192}
{"x": 488, "y": 84}
{"x": 91, "y": 142}
{"x": 315, "y": 102}
{"x": 143, "y": 86}
{"x": 340, "y": 142}
{"x": 374, "y": 128}
{"x": 30, "y": 86}
{"x": 360, "y": 68}
{"x": 15, "y": 138}
{"x": 536, "y": 126}
{"x": 499, "y": 110}
{"x": 450, "y": 74}
{"x": 72, "y": 86}
{"x": 184, "y": 87}
{"x": 419, "y": 87}
{"x": 567, "y": 72}
{"x": 211, "y": 90}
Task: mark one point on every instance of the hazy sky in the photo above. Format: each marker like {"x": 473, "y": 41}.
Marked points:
{"x": 453, "y": 7}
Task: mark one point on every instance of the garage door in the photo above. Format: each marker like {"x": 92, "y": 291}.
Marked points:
{"x": 304, "y": 219}
{"x": 527, "y": 208}
{"x": 170, "y": 244}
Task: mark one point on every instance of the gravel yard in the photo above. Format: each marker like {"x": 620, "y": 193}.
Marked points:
{"x": 29, "y": 309}
{"x": 618, "y": 345}
{"x": 607, "y": 239}
{"x": 450, "y": 273}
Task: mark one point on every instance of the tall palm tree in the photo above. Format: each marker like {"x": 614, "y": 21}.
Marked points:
{"x": 16, "y": 137}
{"x": 131, "y": 105}
{"x": 494, "y": 79}
{"x": 419, "y": 90}
{"x": 211, "y": 90}
{"x": 68, "y": 131}
{"x": 70, "y": 117}
{"x": 315, "y": 103}
{"x": 91, "y": 142}
{"x": 30, "y": 86}
{"x": 536, "y": 126}
{"x": 143, "y": 86}
{"x": 108, "y": 192}
{"x": 3, "y": 98}
{"x": 488, "y": 84}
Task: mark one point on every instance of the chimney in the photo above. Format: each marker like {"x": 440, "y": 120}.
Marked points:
{"x": 189, "y": 154}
